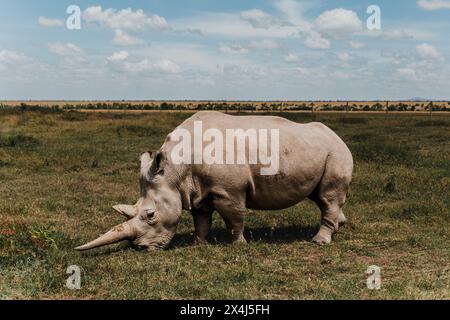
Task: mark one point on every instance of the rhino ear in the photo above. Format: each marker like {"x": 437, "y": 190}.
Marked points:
{"x": 157, "y": 166}
{"x": 146, "y": 162}
{"x": 126, "y": 210}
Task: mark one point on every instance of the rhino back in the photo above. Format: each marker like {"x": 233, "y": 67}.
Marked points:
{"x": 303, "y": 153}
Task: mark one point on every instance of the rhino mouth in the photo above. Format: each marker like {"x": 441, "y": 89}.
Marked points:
{"x": 153, "y": 247}
{"x": 161, "y": 243}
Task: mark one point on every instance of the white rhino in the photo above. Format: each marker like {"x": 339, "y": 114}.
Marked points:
{"x": 313, "y": 163}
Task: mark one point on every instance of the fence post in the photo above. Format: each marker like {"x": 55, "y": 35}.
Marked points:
{"x": 430, "y": 106}
{"x": 313, "y": 115}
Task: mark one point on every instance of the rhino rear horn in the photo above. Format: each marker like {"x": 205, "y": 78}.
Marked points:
{"x": 126, "y": 210}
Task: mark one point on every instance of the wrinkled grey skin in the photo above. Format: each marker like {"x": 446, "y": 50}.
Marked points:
{"x": 314, "y": 163}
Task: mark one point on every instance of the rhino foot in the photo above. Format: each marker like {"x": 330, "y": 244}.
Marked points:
{"x": 321, "y": 239}
{"x": 239, "y": 240}
{"x": 199, "y": 242}
{"x": 342, "y": 219}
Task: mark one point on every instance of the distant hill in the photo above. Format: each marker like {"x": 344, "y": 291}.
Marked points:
{"x": 419, "y": 99}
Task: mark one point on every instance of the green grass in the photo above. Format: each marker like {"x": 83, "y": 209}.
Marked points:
{"x": 60, "y": 173}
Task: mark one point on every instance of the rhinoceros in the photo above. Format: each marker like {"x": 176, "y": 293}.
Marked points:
{"x": 313, "y": 162}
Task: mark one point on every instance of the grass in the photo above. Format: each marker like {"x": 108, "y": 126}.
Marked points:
{"x": 60, "y": 174}
{"x": 18, "y": 140}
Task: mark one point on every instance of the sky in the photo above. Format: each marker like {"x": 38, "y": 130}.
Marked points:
{"x": 225, "y": 50}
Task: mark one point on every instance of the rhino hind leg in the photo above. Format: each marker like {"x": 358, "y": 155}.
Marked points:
{"x": 329, "y": 225}
{"x": 330, "y": 196}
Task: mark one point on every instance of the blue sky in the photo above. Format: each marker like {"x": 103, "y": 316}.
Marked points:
{"x": 232, "y": 50}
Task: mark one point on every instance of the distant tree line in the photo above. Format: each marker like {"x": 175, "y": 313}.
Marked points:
{"x": 234, "y": 106}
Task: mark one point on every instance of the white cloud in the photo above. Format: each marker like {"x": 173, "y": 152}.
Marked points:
{"x": 258, "y": 18}
{"x": 402, "y": 33}
{"x": 47, "y": 22}
{"x": 306, "y": 72}
{"x": 292, "y": 10}
{"x": 194, "y": 57}
{"x": 7, "y": 56}
{"x": 341, "y": 75}
{"x": 125, "y": 19}
{"x": 164, "y": 66}
{"x": 264, "y": 44}
{"x": 315, "y": 41}
{"x": 291, "y": 57}
{"x": 71, "y": 53}
{"x": 397, "y": 34}
{"x": 122, "y": 38}
{"x": 65, "y": 49}
{"x": 357, "y": 45}
{"x": 118, "y": 56}
{"x": 233, "y": 49}
{"x": 427, "y": 51}
{"x": 232, "y": 26}
{"x": 407, "y": 73}
{"x": 345, "y": 57}
{"x": 434, "y": 4}
{"x": 338, "y": 22}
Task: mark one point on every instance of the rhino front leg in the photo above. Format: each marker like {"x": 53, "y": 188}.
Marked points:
{"x": 232, "y": 209}
{"x": 236, "y": 227}
{"x": 202, "y": 223}
{"x": 234, "y": 219}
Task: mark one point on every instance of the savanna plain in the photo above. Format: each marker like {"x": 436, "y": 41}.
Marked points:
{"x": 60, "y": 173}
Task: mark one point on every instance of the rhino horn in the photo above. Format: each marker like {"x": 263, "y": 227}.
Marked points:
{"x": 121, "y": 232}
{"x": 126, "y": 210}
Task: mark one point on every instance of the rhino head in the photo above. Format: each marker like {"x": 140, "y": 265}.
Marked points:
{"x": 153, "y": 220}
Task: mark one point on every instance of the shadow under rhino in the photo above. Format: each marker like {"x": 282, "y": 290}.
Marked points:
{"x": 218, "y": 236}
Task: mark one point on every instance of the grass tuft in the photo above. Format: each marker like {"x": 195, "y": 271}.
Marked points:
{"x": 18, "y": 141}
{"x": 385, "y": 152}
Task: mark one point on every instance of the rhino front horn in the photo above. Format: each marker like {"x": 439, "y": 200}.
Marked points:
{"x": 121, "y": 232}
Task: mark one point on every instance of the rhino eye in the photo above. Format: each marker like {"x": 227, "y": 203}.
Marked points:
{"x": 149, "y": 213}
